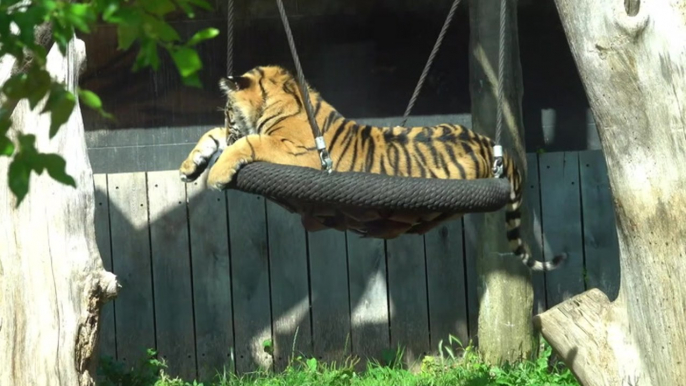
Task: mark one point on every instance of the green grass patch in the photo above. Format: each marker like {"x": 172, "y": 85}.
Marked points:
{"x": 448, "y": 368}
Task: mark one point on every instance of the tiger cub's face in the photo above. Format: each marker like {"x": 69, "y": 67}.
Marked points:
{"x": 259, "y": 93}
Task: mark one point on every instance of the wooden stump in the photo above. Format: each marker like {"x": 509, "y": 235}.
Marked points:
{"x": 52, "y": 281}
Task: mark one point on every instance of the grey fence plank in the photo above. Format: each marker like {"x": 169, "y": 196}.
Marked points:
{"x": 250, "y": 270}
{"x": 471, "y": 248}
{"x": 561, "y": 216}
{"x": 407, "y": 289}
{"x": 135, "y": 321}
{"x": 330, "y": 301}
{"x": 171, "y": 270}
{"x": 601, "y": 247}
{"x": 209, "y": 237}
{"x": 532, "y": 197}
{"x": 102, "y": 237}
{"x": 368, "y": 297}
{"x": 289, "y": 282}
{"x": 446, "y": 283}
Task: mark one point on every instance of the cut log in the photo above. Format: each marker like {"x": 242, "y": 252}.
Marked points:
{"x": 52, "y": 281}
{"x": 632, "y": 59}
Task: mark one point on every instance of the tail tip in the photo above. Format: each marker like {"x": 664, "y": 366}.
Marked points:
{"x": 559, "y": 259}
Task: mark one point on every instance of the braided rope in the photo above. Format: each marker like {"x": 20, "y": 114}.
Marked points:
{"x": 501, "y": 71}
{"x": 229, "y": 38}
{"x": 429, "y": 62}
{"x": 319, "y": 140}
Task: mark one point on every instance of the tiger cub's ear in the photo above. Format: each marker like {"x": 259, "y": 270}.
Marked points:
{"x": 233, "y": 83}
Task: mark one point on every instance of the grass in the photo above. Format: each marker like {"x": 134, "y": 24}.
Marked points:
{"x": 465, "y": 369}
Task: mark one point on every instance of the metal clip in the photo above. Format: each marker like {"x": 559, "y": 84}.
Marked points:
{"x": 327, "y": 163}
{"x": 497, "y": 161}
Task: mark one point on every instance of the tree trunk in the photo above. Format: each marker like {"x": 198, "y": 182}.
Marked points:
{"x": 506, "y": 292}
{"x": 632, "y": 59}
{"x": 52, "y": 282}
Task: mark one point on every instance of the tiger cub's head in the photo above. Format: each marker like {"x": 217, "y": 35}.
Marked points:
{"x": 257, "y": 98}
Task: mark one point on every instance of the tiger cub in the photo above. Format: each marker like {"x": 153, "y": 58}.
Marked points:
{"x": 268, "y": 119}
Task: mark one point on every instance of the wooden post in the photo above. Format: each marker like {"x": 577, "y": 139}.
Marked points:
{"x": 52, "y": 281}
{"x": 505, "y": 289}
{"x": 631, "y": 55}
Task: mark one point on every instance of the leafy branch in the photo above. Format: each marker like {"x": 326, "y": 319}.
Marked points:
{"x": 140, "y": 22}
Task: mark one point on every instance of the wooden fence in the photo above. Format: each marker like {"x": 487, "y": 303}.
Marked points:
{"x": 208, "y": 277}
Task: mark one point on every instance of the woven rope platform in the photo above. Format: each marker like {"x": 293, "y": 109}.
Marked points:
{"x": 373, "y": 205}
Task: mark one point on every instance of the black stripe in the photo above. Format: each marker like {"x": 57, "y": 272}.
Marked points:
{"x": 368, "y": 138}
{"x": 516, "y": 215}
{"x": 470, "y": 152}
{"x": 420, "y": 167}
{"x": 252, "y": 149}
{"x": 520, "y": 250}
{"x": 329, "y": 120}
{"x": 513, "y": 234}
{"x": 393, "y": 159}
{"x": 356, "y": 142}
{"x": 382, "y": 166}
{"x": 408, "y": 161}
{"x": 453, "y": 159}
{"x": 347, "y": 140}
{"x": 339, "y": 129}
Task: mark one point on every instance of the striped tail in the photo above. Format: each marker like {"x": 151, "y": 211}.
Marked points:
{"x": 513, "y": 217}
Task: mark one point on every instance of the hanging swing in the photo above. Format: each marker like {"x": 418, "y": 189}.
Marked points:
{"x": 370, "y": 204}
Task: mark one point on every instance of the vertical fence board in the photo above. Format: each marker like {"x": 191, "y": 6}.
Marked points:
{"x": 446, "y": 283}
{"x": 209, "y": 237}
{"x": 561, "y": 216}
{"x": 601, "y": 248}
{"x": 407, "y": 289}
{"x": 290, "y": 287}
{"x": 250, "y": 270}
{"x": 108, "y": 339}
{"x": 330, "y": 301}
{"x": 135, "y": 321}
{"x": 171, "y": 268}
{"x": 368, "y": 296}
{"x": 532, "y": 197}
{"x": 471, "y": 248}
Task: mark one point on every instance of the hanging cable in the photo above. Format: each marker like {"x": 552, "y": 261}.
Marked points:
{"x": 325, "y": 158}
{"x": 429, "y": 62}
{"x": 498, "y": 149}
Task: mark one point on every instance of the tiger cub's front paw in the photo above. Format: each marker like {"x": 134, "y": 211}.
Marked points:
{"x": 222, "y": 173}
{"x": 190, "y": 171}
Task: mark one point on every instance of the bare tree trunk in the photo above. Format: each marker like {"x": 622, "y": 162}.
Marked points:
{"x": 506, "y": 292}
{"x": 632, "y": 59}
{"x": 52, "y": 282}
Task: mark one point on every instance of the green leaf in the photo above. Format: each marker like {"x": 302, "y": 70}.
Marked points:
{"x": 202, "y": 35}
{"x": 126, "y": 34}
{"x": 201, "y": 4}
{"x": 186, "y": 60}
{"x": 158, "y": 7}
{"x": 80, "y": 16}
{"x": 90, "y": 99}
{"x": 60, "y": 103}
{"x": 62, "y": 35}
{"x": 192, "y": 80}
{"x": 56, "y": 167}
{"x": 312, "y": 364}
{"x": 18, "y": 175}
{"x": 38, "y": 84}
{"x": 15, "y": 87}
{"x": 6, "y": 146}
{"x": 158, "y": 29}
